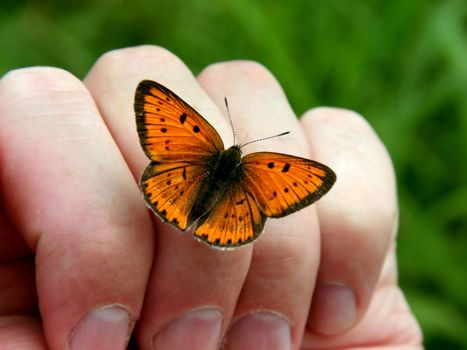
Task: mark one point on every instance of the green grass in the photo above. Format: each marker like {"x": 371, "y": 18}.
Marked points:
{"x": 402, "y": 64}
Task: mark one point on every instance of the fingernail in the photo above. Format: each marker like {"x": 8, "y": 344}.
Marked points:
{"x": 259, "y": 331}
{"x": 196, "y": 330}
{"x": 105, "y": 328}
{"x": 333, "y": 309}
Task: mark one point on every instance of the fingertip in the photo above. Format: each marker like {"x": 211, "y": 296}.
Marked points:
{"x": 335, "y": 308}
{"x": 106, "y": 328}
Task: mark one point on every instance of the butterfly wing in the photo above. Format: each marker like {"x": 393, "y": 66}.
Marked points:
{"x": 171, "y": 189}
{"x": 233, "y": 221}
{"x": 179, "y": 141}
{"x": 169, "y": 129}
{"x": 282, "y": 184}
{"x": 269, "y": 185}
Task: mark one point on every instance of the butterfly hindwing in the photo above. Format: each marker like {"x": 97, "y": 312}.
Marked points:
{"x": 233, "y": 221}
{"x": 169, "y": 129}
{"x": 283, "y": 184}
{"x": 171, "y": 189}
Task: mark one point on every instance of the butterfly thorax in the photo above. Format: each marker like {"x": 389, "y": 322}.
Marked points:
{"x": 222, "y": 169}
{"x": 225, "y": 164}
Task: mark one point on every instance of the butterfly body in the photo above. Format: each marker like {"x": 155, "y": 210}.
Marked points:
{"x": 193, "y": 178}
{"x": 222, "y": 169}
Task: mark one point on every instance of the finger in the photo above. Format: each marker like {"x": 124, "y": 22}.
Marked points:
{"x": 19, "y": 325}
{"x": 21, "y": 332}
{"x": 193, "y": 288}
{"x": 358, "y": 218}
{"x": 12, "y": 246}
{"x": 70, "y": 195}
{"x": 273, "y": 306}
{"x": 17, "y": 288}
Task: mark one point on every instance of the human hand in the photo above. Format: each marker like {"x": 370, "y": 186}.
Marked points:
{"x": 79, "y": 245}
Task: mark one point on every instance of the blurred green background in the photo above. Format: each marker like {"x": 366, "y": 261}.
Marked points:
{"x": 402, "y": 64}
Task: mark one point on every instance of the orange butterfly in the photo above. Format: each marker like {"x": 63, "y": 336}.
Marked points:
{"x": 192, "y": 177}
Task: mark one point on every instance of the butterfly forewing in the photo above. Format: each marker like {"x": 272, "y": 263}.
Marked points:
{"x": 283, "y": 184}
{"x": 169, "y": 129}
{"x": 233, "y": 221}
{"x": 171, "y": 189}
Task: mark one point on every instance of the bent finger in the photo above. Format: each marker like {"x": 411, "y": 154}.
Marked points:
{"x": 70, "y": 195}
{"x": 273, "y": 306}
{"x": 193, "y": 288}
{"x": 358, "y": 218}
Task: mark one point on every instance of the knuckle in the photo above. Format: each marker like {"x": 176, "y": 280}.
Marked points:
{"x": 251, "y": 70}
{"x": 23, "y": 88}
{"x": 335, "y": 114}
{"x": 120, "y": 59}
{"x": 39, "y": 79}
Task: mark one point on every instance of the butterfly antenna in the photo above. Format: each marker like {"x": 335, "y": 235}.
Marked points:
{"x": 230, "y": 119}
{"x": 265, "y": 138}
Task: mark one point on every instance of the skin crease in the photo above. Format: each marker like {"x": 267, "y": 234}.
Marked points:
{"x": 72, "y": 218}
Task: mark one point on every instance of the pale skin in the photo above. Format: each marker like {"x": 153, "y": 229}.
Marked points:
{"x": 78, "y": 243}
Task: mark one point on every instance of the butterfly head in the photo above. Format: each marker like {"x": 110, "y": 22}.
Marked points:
{"x": 233, "y": 154}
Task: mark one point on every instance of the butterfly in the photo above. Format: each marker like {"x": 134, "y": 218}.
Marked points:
{"x": 192, "y": 177}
